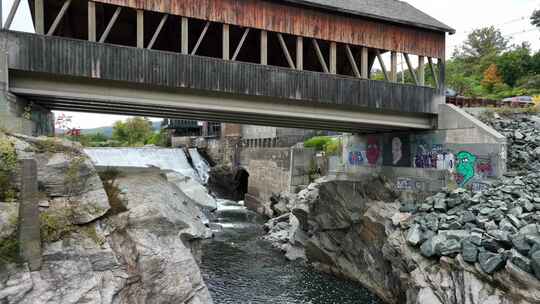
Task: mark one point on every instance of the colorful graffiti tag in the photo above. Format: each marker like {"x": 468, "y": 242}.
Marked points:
{"x": 434, "y": 158}
{"x": 404, "y": 183}
{"x": 465, "y": 168}
{"x": 356, "y": 158}
{"x": 484, "y": 168}
{"x": 373, "y": 151}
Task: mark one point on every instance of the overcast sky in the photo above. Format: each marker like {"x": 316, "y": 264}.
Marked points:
{"x": 510, "y": 16}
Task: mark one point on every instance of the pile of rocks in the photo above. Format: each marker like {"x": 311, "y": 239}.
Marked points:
{"x": 523, "y": 134}
{"x": 499, "y": 225}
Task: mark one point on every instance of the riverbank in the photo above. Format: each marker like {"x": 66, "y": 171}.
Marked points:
{"x": 454, "y": 247}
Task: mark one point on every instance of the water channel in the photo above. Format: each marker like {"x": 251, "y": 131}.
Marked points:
{"x": 239, "y": 267}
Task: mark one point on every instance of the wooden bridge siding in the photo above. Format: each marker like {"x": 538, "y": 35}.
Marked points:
{"x": 54, "y": 55}
{"x": 302, "y": 21}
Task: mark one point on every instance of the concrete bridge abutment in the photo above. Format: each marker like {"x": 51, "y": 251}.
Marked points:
{"x": 18, "y": 114}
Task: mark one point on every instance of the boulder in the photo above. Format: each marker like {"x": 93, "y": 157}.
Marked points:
{"x": 491, "y": 262}
{"x": 470, "y": 251}
{"x": 414, "y": 236}
{"x": 73, "y": 178}
{"x": 535, "y": 263}
{"x": 9, "y": 215}
{"x": 520, "y": 261}
{"x": 448, "y": 247}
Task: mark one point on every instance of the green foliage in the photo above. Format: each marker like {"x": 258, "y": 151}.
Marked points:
{"x": 487, "y": 41}
{"x": 159, "y": 139}
{"x": 55, "y": 224}
{"x": 486, "y": 67}
{"x": 93, "y": 140}
{"x": 515, "y": 64}
{"x": 8, "y": 164}
{"x": 109, "y": 178}
{"x": 133, "y": 132}
{"x": 52, "y": 145}
{"x": 9, "y": 250}
{"x": 72, "y": 179}
{"x": 318, "y": 142}
{"x": 334, "y": 147}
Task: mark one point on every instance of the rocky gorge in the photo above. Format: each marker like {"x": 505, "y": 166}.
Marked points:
{"x": 121, "y": 238}
{"x": 453, "y": 247}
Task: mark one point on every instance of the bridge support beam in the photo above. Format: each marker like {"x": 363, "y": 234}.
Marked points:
{"x": 140, "y": 29}
{"x": 226, "y": 44}
{"x": 184, "y": 43}
{"x": 393, "y": 67}
{"x": 421, "y": 70}
{"x": 39, "y": 22}
{"x": 299, "y": 53}
{"x": 264, "y": 47}
{"x": 92, "y": 21}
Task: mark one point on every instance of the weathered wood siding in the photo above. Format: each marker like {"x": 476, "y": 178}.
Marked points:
{"x": 54, "y": 55}
{"x": 302, "y": 21}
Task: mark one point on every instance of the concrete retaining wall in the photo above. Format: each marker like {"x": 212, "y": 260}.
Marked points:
{"x": 269, "y": 171}
{"x": 18, "y": 115}
{"x": 463, "y": 152}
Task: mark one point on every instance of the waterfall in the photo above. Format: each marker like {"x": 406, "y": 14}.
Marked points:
{"x": 165, "y": 159}
{"x": 201, "y": 165}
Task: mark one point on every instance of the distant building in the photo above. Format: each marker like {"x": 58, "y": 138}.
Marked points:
{"x": 270, "y": 137}
{"x": 191, "y": 128}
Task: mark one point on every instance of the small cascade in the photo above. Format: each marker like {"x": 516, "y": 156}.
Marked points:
{"x": 200, "y": 164}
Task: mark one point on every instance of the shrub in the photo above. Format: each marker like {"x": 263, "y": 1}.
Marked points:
{"x": 318, "y": 142}
{"x": 8, "y": 164}
{"x": 108, "y": 178}
{"x": 9, "y": 250}
{"x": 55, "y": 224}
{"x": 334, "y": 147}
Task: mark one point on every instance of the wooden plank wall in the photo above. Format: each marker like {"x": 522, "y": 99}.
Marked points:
{"x": 62, "y": 56}
{"x": 301, "y": 21}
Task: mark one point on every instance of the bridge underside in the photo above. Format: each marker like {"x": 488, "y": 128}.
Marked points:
{"x": 108, "y": 97}
{"x": 75, "y": 75}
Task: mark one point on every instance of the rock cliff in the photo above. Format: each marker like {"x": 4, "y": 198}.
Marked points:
{"x": 136, "y": 240}
{"x": 352, "y": 229}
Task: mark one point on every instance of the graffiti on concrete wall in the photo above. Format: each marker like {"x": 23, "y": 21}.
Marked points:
{"x": 433, "y": 156}
{"x": 483, "y": 168}
{"x": 465, "y": 167}
{"x": 405, "y": 183}
{"x": 373, "y": 151}
{"x": 356, "y": 158}
{"x": 396, "y": 151}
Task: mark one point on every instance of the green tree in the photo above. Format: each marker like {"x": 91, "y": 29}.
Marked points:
{"x": 515, "y": 64}
{"x": 482, "y": 42}
{"x": 159, "y": 139}
{"x": 535, "y": 18}
{"x": 133, "y": 132}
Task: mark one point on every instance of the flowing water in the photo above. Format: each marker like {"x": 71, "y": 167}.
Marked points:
{"x": 239, "y": 267}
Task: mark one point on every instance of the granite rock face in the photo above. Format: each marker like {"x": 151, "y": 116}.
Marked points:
{"x": 355, "y": 230}
{"x": 146, "y": 252}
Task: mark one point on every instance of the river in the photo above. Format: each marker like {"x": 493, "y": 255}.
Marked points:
{"x": 239, "y": 267}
